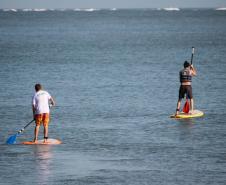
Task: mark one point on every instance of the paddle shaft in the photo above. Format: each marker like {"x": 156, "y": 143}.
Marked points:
{"x": 25, "y": 127}
{"x": 192, "y": 54}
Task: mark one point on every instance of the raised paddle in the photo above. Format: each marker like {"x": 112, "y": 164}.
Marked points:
{"x": 12, "y": 139}
{"x": 186, "y": 107}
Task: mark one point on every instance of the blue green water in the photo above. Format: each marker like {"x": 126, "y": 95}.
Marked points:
{"x": 114, "y": 76}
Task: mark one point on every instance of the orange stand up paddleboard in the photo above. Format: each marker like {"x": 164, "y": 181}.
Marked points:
{"x": 41, "y": 142}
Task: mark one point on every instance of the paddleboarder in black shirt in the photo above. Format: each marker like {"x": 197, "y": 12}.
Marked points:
{"x": 185, "y": 87}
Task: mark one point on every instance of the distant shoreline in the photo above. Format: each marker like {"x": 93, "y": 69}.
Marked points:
{"x": 102, "y": 9}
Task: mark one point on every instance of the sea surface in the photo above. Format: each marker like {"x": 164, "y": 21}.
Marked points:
{"x": 114, "y": 76}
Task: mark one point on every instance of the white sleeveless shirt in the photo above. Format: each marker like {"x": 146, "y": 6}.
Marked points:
{"x": 40, "y": 101}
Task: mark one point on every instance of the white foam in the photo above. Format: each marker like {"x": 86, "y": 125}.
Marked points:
{"x": 113, "y": 9}
{"x": 171, "y": 9}
{"x": 85, "y": 9}
{"x": 90, "y": 10}
{"x": 77, "y": 10}
{"x": 12, "y": 10}
{"x": 26, "y": 10}
{"x": 39, "y": 10}
{"x": 223, "y": 8}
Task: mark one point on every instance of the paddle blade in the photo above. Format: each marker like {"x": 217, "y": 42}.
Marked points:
{"x": 11, "y": 139}
{"x": 186, "y": 107}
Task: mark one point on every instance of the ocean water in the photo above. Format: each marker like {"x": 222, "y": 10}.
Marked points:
{"x": 114, "y": 76}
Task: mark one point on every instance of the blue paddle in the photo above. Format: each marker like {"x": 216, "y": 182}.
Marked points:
{"x": 12, "y": 139}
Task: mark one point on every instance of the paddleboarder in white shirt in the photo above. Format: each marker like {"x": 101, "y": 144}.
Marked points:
{"x": 40, "y": 106}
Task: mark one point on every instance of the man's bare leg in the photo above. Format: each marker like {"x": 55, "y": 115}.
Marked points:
{"x": 36, "y": 133}
{"x": 45, "y": 133}
{"x": 178, "y": 107}
{"x": 191, "y": 105}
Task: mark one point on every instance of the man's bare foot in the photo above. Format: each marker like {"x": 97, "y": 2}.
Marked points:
{"x": 35, "y": 140}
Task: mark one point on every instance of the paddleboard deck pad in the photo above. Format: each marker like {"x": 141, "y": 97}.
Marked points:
{"x": 182, "y": 115}
{"x": 41, "y": 142}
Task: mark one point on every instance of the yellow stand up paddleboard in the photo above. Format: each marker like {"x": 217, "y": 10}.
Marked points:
{"x": 41, "y": 142}
{"x": 182, "y": 115}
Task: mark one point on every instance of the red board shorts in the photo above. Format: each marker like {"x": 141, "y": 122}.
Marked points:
{"x": 42, "y": 118}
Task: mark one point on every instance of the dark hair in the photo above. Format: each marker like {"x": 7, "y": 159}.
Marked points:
{"x": 38, "y": 87}
{"x": 186, "y": 64}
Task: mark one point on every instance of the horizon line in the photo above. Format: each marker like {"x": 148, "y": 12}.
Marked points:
{"x": 70, "y": 8}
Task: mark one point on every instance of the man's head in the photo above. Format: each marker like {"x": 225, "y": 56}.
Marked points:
{"x": 38, "y": 87}
{"x": 186, "y": 64}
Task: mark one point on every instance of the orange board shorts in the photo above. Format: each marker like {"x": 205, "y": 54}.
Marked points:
{"x": 42, "y": 118}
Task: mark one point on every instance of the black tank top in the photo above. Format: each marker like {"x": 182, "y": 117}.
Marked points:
{"x": 185, "y": 75}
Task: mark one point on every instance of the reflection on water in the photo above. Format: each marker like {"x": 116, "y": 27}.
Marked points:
{"x": 186, "y": 122}
{"x": 43, "y": 159}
